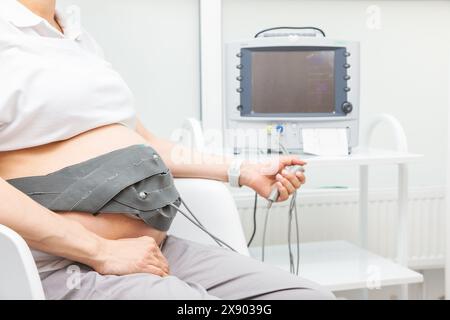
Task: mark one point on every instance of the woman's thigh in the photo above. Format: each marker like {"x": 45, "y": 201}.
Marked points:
{"x": 197, "y": 272}
{"x": 79, "y": 282}
{"x": 229, "y": 275}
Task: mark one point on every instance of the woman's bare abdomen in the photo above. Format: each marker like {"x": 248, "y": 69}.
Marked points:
{"x": 48, "y": 158}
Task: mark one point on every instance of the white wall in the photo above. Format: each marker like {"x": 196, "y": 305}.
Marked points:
{"x": 155, "y": 46}
{"x": 404, "y": 68}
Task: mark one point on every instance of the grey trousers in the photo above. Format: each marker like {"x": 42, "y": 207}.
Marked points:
{"x": 197, "y": 272}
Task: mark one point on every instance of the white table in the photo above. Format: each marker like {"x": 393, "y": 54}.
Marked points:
{"x": 341, "y": 265}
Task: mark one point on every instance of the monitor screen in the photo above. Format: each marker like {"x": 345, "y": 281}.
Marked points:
{"x": 292, "y": 81}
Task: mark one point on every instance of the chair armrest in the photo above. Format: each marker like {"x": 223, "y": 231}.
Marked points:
{"x": 19, "y": 278}
{"x": 213, "y": 205}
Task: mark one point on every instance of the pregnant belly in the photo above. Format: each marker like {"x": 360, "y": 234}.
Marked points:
{"x": 52, "y": 157}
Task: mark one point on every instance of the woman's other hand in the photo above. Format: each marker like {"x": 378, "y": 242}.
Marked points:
{"x": 128, "y": 256}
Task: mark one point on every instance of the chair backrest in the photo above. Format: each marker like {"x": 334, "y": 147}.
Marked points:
{"x": 19, "y": 278}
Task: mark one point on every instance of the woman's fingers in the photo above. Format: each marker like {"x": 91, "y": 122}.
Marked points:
{"x": 156, "y": 271}
{"x": 164, "y": 262}
{"x": 301, "y": 177}
{"x": 283, "y": 192}
{"x": 291, "y": 161}
{"x": 286, "y": 183}
{"x": 157, "y": 263}
{"x": 292, "y": 177}
{"x": 156, "y": 257}
{"x": 158, "y": 260}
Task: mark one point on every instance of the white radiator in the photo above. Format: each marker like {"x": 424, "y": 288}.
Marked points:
{"x": 333, "y": 214}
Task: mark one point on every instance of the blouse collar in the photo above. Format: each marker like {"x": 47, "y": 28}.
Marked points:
{"x": 21, "y": 17}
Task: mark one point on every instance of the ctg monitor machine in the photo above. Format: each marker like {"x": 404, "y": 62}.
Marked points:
{"x": 277, "y": 86}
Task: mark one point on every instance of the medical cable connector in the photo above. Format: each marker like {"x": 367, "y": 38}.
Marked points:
{"x": 273, "y": 196}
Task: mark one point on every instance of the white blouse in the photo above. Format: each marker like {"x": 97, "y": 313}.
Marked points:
{"x": 54, "y": 86}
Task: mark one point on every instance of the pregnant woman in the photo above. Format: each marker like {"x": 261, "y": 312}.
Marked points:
{"x": 68, "y": 130}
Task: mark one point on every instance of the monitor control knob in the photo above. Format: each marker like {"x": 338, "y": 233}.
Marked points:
{"x": 239, "y": 90}
{"x": 347, "y": 107}
{"x": 239, "y": 107}
{"x": 346, "y": 65}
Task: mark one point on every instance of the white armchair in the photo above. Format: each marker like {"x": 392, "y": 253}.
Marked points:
{"x": 210, "y": 201}
{"x": 19, "y": 278}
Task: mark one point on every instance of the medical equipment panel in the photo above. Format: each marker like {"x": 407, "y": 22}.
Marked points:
{"x": 275, "y": 87}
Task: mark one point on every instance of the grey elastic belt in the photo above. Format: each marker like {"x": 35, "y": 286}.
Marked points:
{"x": 132, "y": 180}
